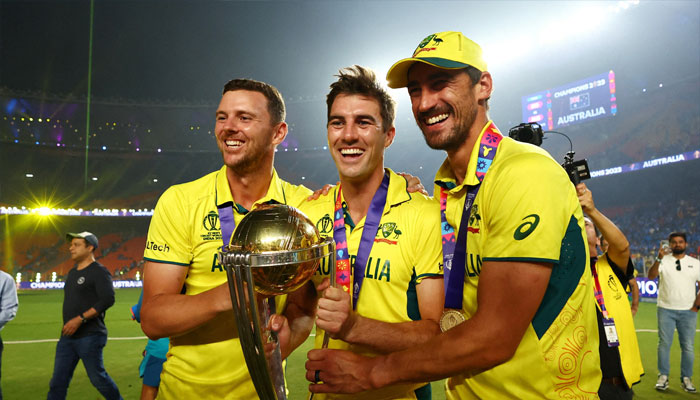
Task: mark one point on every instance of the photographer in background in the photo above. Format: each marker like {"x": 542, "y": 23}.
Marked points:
{"x": 620, "y": 361}
{"x": 677, "y": 307}
{"x": 633, "y": 288}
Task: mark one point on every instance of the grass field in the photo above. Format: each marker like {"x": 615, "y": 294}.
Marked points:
{"x": 27, "y": 367}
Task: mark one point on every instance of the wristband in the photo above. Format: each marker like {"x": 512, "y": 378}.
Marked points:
{"x": 83, "y": 318}
{"x": 658, "y": 259}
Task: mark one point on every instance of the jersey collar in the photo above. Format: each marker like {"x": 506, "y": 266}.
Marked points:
{"x": 275, "y": 192}
{"x": 396, "y": 194}
{"x": 445, "y": 178}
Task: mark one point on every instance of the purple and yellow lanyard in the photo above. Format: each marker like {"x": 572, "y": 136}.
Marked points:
{"x": 342, "y": 263}
{"x": 454, "y": 254}
{"x": 607, "y": 319}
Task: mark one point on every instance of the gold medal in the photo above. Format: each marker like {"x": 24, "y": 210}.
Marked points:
{"x": 451, "y": 318}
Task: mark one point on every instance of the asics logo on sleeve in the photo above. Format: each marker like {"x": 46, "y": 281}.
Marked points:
{"x": 526, "y": 228}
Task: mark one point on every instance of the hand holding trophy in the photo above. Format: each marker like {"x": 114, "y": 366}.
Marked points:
{"x": 274, "y": 251}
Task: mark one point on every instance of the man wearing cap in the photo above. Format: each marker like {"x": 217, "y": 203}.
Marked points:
{"x": 517, "y": 272}
{"x": 88, "y": 293}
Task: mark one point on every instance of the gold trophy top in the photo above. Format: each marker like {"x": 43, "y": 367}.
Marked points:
{"x": 280, "y": 245}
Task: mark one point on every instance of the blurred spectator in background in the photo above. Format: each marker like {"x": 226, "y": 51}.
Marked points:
{"x": 153, "y": 359}
{"x": 677, "y": 306}
{"x": 620, "y": 361}
{"x": 8, "y": 307}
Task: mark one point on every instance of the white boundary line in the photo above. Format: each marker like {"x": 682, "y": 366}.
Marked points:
{"x": 144, "y": 337}
{"x": 56, "y": 340}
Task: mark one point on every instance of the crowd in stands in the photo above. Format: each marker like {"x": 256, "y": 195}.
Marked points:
{"x": 122, "y": 251}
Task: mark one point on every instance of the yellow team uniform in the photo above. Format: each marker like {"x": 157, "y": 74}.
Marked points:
{"x": 618, "y": 306}
{"x": 207, "y": 362}
{"x": 527, "y": 210}
{"x": 406, "y": 249}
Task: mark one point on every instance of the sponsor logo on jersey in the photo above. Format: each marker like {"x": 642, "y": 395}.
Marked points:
{"x": 151, "y": 245}
{"x": 81, "y": 280}
{"x": 527, "y": 227}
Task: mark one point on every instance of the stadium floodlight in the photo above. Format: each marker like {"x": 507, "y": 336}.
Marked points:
{"x": 574, "y": 20}
{"x": 29, "y": 175}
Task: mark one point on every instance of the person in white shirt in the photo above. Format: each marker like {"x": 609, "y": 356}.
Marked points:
{"x": 677, "y": 307}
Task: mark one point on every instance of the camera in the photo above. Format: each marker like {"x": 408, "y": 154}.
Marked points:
{"x": 528, "y": 132}
{"x": 531, "y": 132}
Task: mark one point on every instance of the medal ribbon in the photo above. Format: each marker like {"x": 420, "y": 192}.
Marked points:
{"x": 454, "y": 253}
{"x": 228, "y": 226}
{"x": 342, "y": 264}
{"x": 228, "y": 223}
{"x": 598, "y": 292}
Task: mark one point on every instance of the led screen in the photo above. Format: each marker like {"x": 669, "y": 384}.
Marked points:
{"x": 572, "y": 103}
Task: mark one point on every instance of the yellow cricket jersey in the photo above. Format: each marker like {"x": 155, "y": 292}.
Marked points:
{"x": 527, "y": 210}
{"x": 406, "y": 249}
{"x": 206, "y": 363}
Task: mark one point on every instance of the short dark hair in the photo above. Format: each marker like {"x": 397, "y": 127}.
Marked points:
{"x": 275, "y": 103}
{"x": 362, "y": 81}
{"x": 677, "y": 234}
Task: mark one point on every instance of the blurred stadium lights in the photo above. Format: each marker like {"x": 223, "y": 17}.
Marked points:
{"x": 97, "y": 212}
{"x": 587, "y": 18}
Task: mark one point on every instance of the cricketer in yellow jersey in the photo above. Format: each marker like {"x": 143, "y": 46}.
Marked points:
{"x": 186, "y": 296}
{"x": 392, "y": 235}
{"x": 526, "y": 291}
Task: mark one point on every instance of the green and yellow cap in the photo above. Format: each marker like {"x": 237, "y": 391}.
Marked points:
{"x": 450, "y": 50}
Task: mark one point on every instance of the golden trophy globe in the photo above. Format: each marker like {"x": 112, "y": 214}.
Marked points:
{"x": 273, "y": 251}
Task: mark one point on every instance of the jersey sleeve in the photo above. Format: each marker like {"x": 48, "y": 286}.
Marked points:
{"x": 168, "y": 241}
{"x": 427, "y": 243}
{"x": 530, "y": 207}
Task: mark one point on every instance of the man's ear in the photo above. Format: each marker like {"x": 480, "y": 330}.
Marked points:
{"x": 280, "y": 133}
{"x": 390, "y": 135}
{"x": 484, "y": 86}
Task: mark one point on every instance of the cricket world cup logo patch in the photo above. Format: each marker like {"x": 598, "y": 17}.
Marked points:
{"x": 211, "y": 221}
{"x": 325, "y": 224}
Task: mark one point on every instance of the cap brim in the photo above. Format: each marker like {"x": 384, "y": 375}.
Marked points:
{"x": 397, "y": 77}
{"x": 71, "y": 236}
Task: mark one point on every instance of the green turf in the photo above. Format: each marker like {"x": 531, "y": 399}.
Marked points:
{"x": 27, "y": 368}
